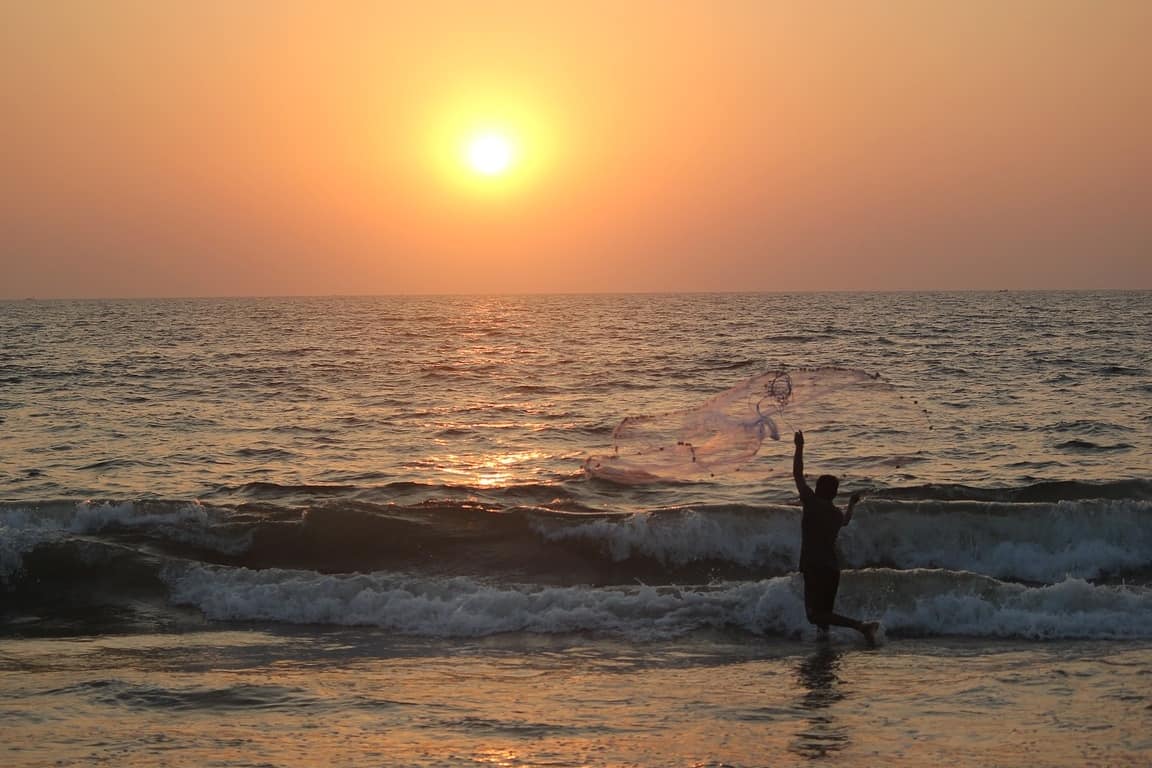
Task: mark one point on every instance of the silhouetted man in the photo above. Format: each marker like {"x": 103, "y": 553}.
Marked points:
{"x": 819, "y": 527}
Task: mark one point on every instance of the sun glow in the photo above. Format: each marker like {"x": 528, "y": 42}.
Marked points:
{"x": 490, "y": 154}
{"x": 493, "y": 146}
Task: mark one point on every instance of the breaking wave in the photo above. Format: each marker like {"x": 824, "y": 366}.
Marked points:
{"x": 918, "y": 602}
{"x": 946, "y": 560}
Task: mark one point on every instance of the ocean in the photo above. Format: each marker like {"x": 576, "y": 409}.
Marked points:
{"x": 362, "y": 531}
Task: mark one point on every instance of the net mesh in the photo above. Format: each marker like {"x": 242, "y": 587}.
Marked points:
{"x": 722, "y": 434}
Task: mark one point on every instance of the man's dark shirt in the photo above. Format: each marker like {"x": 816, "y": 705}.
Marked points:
{"x": 819, "y": 526}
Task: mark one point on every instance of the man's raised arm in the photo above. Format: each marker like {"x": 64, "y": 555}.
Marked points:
{"x": 798, "y": 466}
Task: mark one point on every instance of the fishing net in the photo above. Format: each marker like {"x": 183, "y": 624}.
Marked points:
{"x": 724, "y": 433}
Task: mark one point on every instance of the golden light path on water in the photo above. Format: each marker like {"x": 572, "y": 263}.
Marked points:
{"x": 492, "y": 471}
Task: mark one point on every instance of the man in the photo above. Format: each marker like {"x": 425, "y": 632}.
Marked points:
{"x": 819, "y": 527}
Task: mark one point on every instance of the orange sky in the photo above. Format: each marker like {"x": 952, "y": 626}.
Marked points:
{"x": 156, "y": 148}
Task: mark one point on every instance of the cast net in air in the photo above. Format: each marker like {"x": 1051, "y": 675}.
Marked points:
{"x": 722, "y": 434}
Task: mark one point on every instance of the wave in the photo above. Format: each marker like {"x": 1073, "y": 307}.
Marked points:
{"x": 25, "y": 528}
{"x": 1034, "y": 542}
{"x": 244, "y": 697}
{"x": 1027, "y": 542}
{"x": 442, "y": 568}
{"x": 913, "y": 603}
{"x": 1057, "y": 490}
{"x": 1088, "y": 446}
{"x": 366, "y": 486}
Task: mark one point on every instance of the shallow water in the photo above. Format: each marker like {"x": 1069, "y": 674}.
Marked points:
{"x": 292, "y": 697}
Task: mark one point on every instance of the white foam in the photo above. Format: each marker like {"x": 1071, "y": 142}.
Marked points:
{"x": 23, "y": 529}
{"x": 1029, "y": 542}
{"x": 918, "y": 602}
{"x": 92, "y": 517}
{"x": 15, "y": 542}
{"x": 20, "y": 533}
{"x": 462, "y": 607}
{"x": 1072, "y": 608}
{"x": 771, "y": 540}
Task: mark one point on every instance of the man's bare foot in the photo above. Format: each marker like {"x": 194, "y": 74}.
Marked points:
{"x": 869, "y": 630}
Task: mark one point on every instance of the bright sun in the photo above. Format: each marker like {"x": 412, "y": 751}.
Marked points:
{"x": 490, "y": 154}
{"x": 491, "y": 147}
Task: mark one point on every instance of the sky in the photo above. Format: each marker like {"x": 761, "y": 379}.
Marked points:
{"x": 217, "y": 148}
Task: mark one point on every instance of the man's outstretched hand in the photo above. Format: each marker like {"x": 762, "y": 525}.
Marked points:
{"x": 799, "y": 439}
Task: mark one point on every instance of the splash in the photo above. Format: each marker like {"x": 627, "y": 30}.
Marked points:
{"x": 920, "y": 602}
{"x": 723, "y": 434}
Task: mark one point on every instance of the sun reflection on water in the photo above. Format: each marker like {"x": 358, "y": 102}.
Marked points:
{"x": 502, "y": 758}
{"x": 497, "y": 470}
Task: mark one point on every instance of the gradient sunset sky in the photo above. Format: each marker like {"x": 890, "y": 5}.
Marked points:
{"x": 243, "y": 147}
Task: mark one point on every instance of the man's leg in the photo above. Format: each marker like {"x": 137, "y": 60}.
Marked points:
{"x": 816, "y": 598}
{"x": 823, "y": 615}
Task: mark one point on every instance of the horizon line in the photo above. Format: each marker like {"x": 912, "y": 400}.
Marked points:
{"x": 495, "y": 294}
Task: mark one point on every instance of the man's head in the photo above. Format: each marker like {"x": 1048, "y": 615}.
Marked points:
{"x": 827, "y": 486}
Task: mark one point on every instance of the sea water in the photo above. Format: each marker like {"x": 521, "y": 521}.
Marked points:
{"x": 357, "y": 531}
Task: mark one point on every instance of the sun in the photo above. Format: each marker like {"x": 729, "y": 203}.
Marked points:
{"x": 490, "y": 153}
{"x": 489, "y": 146}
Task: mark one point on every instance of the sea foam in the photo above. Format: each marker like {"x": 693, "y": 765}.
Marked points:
{"x": 921, "y": 602}
{"x": 23, "y": 528}
{"x": 1034, "y": 542}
